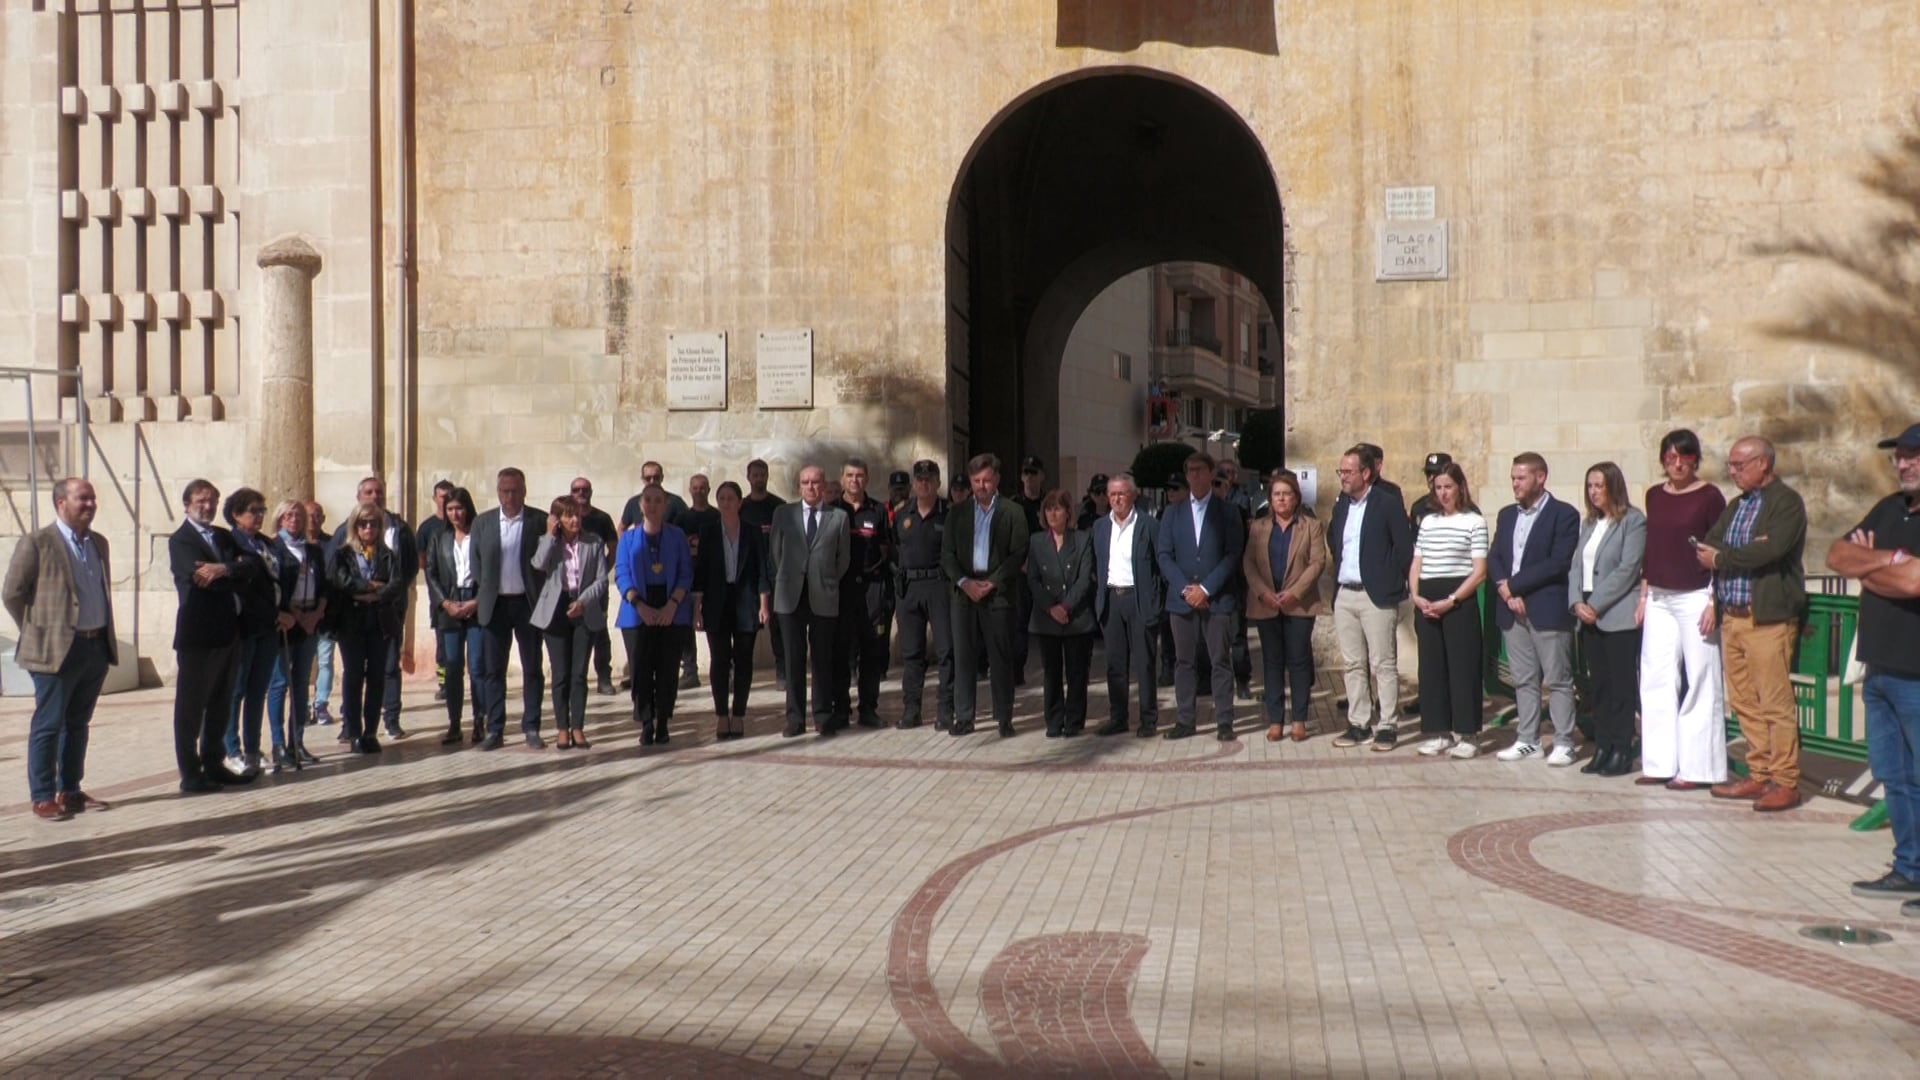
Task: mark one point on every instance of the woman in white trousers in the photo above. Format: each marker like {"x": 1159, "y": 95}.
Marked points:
{"x": 1683, "y": 726}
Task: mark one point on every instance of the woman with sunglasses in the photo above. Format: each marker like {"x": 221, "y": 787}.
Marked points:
{"x": 453, "y": 600}
{"x": 366, "y": 575}
{"x": 1683, "y": 740}
{"x": 260, "y": 626}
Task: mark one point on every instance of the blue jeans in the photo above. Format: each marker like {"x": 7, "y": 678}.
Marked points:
{"x": 252, "y": 671}
{"x": 62, "y": 709}
{"x": 290, "y": 669}
{"x": 463, "y": 652}
{"x": 323, "y": 671}
{"x": 1893, "y": 752}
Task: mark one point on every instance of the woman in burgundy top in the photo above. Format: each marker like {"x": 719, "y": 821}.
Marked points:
{"x": 1683, "y": 739}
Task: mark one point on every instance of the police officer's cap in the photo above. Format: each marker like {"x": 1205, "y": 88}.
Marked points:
{"x": 1177, "y": 482}
{"x": 897, "y": 479}
{"x": 924, "y": 469}
{"x": 1031, "y": 464}
{"x": 1098, "y": 484}
{"x": 1437, "y": 463}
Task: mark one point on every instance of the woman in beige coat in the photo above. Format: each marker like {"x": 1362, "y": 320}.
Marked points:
{"x": 1286, "y": 557}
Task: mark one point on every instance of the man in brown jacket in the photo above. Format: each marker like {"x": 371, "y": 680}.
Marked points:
{"x": 57, "y": 591}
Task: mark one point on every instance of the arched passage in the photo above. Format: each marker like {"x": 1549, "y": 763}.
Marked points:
{"x": 1081, "y": 181}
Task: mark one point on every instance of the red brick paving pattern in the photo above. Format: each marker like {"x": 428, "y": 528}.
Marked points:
{"x": 1057, "y": 1005}
{"x": 1500, "y": 852}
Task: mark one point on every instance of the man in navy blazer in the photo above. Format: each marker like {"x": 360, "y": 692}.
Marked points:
{"x": 1371, "y": 544}
{"x": 1199, "y": 550}
{"x": 1532, "y": 549}
{"x": 1126, "y": 603}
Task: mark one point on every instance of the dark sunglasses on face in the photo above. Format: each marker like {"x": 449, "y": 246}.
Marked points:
{"x": 364, "y": 525}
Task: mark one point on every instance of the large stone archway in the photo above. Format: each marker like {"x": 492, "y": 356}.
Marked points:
{"x": 1076, "y": 183}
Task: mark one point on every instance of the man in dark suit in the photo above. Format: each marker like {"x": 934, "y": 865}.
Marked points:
{"x": 59, "y": 592}
{"x": 926, "y": 598}
{"x": 206, "y": 569}
{"x": 1371, "y": 544}
{"x": 1126, "y": 603}
{"x": 984, "y": 554}
{"x": 1531, "y": 553}
{"x": 404, "y": 543}
{"x": 810, "y": 553}
{"x": 1199, "y": 547}
{"x": 505, "y": 584}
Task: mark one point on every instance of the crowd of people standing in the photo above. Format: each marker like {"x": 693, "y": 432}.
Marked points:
{"x": 1676, "y": 609}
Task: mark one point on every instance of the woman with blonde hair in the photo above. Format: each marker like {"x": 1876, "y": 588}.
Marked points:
{"x": 366, "y": 575}
{"x": 1603, "y": 585}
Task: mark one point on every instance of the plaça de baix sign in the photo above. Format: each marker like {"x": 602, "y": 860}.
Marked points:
{"x": 1410, "y": 251}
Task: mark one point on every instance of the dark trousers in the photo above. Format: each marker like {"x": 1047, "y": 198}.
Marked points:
{"x": 569, "y": 650}
{"x": 252, "y": 674}
{"x": 1065, "y": 661}
{"x": 603, "y": 655}
{"x": 654, "y": 654}
{"x": 363, "y": 678}
{"x": 777, "y": 637}
{"x": 809, "y": 651}
{"x": 1193, "y": 634}
{"x": 62, "y": 710}
{"x": 1613, "y": 670}
{"x": 1450, "y": 658}
{"x": 1286, "y": 664}
{"x": 390, "y": 685}
{"x": 993, "y": 627}
{"x": 731, "y": 670}
{"x": 512, "y": 625}
{"x": 860, "y": 648}
{"x": 925, "y": 611}
{"x": 202, "y": 699}
{"x": 463, "y": 651}
{"x": 1242, "y": 656}
{"x": 1130, "y": 638}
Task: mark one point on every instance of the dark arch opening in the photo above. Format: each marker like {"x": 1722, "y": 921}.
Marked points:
{"x": 1081, "y": 181}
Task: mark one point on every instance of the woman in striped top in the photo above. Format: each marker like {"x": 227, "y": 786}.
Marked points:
{"x": 1449, "y": 565}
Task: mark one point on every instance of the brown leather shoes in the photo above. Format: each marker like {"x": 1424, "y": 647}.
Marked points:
{"x": 1298, "y": 733}
{"x": 1778, "y": 798}
{"x": 49, "y": 810}
{"x": 74, "y": 802}
{"x": 1275, "y": 732}
{"x": 1748, "y": 788}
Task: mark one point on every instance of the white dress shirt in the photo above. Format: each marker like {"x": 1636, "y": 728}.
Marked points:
{"x": 1120, "y": 553}
{"x": 1523, "y": 527}
{"x": 1592, "y": 553}
{"x": 511, "y": 581}
{"x": 463, "y": 561}
{"x": 1349, "y": 570}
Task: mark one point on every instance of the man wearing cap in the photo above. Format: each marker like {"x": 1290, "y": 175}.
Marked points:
{"x": 1436, "y": 464}
{"x": 1754, "y": 551}
{"x": 1033, "y": 488}
{"x": 1880, "y": 554}
{"x": 899, "y": 491}
{"x": 926, "y": 609}
{"x": 1096, "y": 505}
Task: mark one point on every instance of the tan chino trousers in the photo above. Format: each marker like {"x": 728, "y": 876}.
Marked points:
{"x": 1759, "y": 664}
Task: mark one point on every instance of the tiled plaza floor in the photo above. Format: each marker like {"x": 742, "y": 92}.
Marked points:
{"x": 905, "y": 903}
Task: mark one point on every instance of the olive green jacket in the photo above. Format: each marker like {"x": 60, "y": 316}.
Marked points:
{"x": 1773, "y": 557}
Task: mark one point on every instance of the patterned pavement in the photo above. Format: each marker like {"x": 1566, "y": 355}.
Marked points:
{"x": 902, "y": 903}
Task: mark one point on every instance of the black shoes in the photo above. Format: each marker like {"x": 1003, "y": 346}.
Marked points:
{"x": 1890, "y": 886}
{"x": 1178, "y": 731}
{"x": 1146, "y": 731}
{"x": 870, "y": 720}
{"x": 606, "y": 688}
{"x": 1226, "y": 734}
{"x": 221, "y": 776}
{"x": 1385, "y": 739}
{"x": 366, "y": 744}
{"x": 1352, "y": 737}
{"x": 396, "y": 732}
{"x": 793, "y": 731}
{"x": 1597, "y": 762}
{"x": 453, "y": 737}
{"x": 195, "y": 785}
{"x": 491, "y": 742}
{"x": 1243, "y": 691}
{"x": 958, "y": 730}
{"x": 1006, "y": 729}
{"x": 1112, "y": 727}
{"x": 1618, "y": 763}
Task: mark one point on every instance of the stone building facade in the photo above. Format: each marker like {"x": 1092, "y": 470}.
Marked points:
{"x": 517, "y": 201}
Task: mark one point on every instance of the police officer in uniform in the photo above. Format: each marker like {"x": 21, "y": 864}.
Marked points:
{"x": 1033, "y": 488}
{"x": 925, "y": 596}
{"x": 899, "y": 491}
{"x": 861, "y": 635}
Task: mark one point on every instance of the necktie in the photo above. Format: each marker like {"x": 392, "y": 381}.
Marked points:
{"x": 811, "y": 526}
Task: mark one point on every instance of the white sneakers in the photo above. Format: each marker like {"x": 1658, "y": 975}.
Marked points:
{"x": 1561, "y": 757}
{"x": 1436, "y": 746}
{"x": 1464, "y": 749}
{"x": 1453, "y": 746}
{"x": 1519, "y": 751}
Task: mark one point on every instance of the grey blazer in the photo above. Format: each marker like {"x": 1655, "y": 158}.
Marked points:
{"x": 816, "y": 569}
{"x": 549, "y": 558}
{"x": 1616, "y": 570}
{"x": 486, "y": 557}
{"x": 1061, "y": 577}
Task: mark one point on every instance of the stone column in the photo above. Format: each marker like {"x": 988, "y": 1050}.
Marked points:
{"x": 286, "y": 377}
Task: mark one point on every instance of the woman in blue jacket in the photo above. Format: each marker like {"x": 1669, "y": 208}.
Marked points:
{"x": 654, "y": 573}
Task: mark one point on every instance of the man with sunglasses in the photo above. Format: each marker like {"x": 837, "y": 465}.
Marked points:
{"x": 598, "y": 523}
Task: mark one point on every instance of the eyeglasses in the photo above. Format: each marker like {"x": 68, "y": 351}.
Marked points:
{"x": 254, "y": 510}
{"x": 583, "y": 491}
{"x": 1739, "y": 464}
{"x": 358, "y": 525}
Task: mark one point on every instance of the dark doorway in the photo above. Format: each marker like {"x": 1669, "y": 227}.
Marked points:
{"x": 1078, "y": 183}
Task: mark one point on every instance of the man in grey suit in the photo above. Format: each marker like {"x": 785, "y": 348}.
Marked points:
{"x": 1126, "y": 603}
{"x": 505, "y": 584}
{"x": 810, "y": 551}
